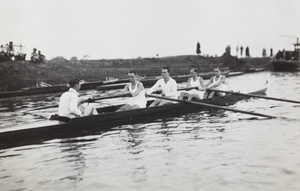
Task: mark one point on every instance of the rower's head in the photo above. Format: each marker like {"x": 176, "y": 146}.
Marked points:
{"x": 132, "y": 76}
{"x": 165, "y": 72}
{"x": 194, "y": 72}
{"x": 75, "y": 84}
{"x": 217, "y": 71}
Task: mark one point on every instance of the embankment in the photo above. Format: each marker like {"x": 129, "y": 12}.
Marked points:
{"x": 15, "y": 75}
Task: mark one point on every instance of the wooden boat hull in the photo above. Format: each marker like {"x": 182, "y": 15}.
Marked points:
{"x": 108, "y": 118}
{"x": 235, "y": 73}
{"x": 54, "y": 89}
{"x": 285, "y": 66}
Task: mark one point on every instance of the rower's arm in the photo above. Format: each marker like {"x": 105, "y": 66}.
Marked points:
{"x": 209, "y": 82}
{"x": 202, "y": 84}
{"x": 154, "y": 87}
{"x": 173, "y": 92}
{"x": 73, "y": 106}
{"x": 188, "y": 85}
{"x": 125, "y": 89}
{"x": 213, "y": 85}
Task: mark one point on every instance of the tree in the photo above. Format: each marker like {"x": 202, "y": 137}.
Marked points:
{"x": 74, "y": 58}
{"x": 228, "y": 50}
{"x": 58, "y": 58}
{"x": 198, "y": 51}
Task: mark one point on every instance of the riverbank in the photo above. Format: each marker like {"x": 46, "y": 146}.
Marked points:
{"x": 15, "y": 75}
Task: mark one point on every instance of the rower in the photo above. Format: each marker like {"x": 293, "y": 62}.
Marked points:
{"x": 167, "y": 86}
{"x": 215, "y": 82}
{"x": 196, "y": 82}
{"x": 70, "y": 105}
{"x": 136, "y": 90}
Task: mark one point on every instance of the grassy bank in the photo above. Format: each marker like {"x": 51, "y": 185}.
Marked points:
{"x": 15, "y": 75}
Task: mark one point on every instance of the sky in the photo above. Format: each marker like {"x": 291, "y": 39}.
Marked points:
{"x": 114, "y": 29}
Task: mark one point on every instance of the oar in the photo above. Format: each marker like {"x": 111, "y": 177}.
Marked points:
{"x": 180, "y": 89}
{"x": 258, "y": 96}
{"x": 89, "y": 100}
{"x": 210, "y": 105}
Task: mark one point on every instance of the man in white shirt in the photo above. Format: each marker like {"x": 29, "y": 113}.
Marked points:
{"x": 69, "y": 102}
{"x": 167, "y": 85}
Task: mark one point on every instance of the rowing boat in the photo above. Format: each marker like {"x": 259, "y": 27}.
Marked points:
{"x": 59, "y": 127}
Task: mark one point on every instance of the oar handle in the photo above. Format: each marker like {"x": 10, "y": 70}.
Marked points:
{"x": 91, "y": 100}
{"x": 190, "y": 88}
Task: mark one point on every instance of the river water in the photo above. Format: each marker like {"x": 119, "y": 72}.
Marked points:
{"x": 199, "y": 151}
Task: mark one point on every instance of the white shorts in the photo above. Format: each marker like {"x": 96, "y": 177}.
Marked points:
{"x": 200, "y": 93}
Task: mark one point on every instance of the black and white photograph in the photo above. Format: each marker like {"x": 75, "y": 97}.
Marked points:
{"x": 150, "y": 95}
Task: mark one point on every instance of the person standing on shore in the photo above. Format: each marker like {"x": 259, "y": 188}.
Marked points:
{"x": 168, "y": 87}
{"x": 10, "y": 50}
{"x": 242, "y": 51}
{"x": 215, "y": 82}
{"x": 34, "y": 56}
{"x": 41, "y": 57}
{"x": 194, "y": 81}
{"x": 137, "y": 91}
{"x": 70, "y": 105}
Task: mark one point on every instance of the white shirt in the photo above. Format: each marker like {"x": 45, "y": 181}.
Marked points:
{"x": 169, "y": 88}
{"x": 215, "y": 82}
{"x": 68, "y": 104}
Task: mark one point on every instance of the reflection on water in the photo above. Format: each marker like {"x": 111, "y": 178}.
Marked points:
{"x": 208, "y": 150}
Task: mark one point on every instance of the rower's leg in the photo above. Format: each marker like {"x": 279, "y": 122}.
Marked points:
{"x": 135, "y": 107}
{"x": 155, "y": 103}
{"x": 90, "y": 110}
{"x": 206, "y": 94}
{"x": 197, "y": 96}
{"x": 164, "y": 102}
{"x": 183, "y": 95}
{"x": 211, "y": 94}
{"x": 193, "y": 96}
{"x": 123, "y": 108}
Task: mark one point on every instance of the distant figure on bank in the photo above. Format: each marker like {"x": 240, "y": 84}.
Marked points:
{"x": 194, "y": 81}
{"x": 10, "y": 50}
{"x": 198, "y": 51}
{"x": 168, "y": 87}
{"x": 41, "y": 57}
{"x": 215, "y": 82}
{"x": 70, "y": 105}
{"x": 242, "y": 48}
{"x": 35, "y": 56}
{"x": 136, "y": 90}
{"x": 247, "y": 52}
{"x": 271, "y": 52}
{"x": 2, "y": 51}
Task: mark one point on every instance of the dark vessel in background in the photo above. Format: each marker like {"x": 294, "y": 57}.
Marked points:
{"x": 287, "y": 60}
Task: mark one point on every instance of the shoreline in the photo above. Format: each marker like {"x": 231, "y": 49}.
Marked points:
{"x": 15, "y": 75}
